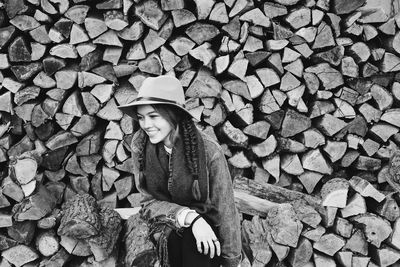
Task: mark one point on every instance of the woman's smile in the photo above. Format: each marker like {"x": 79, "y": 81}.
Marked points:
{"x": 151, "y": 132}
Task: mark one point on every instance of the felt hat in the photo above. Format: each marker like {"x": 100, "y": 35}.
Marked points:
{"x": 164, "y": 89}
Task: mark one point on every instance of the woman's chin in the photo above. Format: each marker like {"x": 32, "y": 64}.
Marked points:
{"x": 154, "y": 140}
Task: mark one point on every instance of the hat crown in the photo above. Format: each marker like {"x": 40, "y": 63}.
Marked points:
{"x": 163, "y": 87}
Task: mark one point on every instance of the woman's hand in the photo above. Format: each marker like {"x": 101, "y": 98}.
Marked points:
{"x": 205, "y": 236}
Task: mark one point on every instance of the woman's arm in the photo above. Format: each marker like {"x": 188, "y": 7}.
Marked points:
{"x": 221, "y": 196}
{"x": 157, "y": 209}
{"x": 162, "y": 210}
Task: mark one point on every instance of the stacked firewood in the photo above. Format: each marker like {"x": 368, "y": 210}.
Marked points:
{"x": 303, "y": 96}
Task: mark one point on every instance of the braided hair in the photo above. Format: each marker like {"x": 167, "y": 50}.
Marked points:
{"x": 182, "y": 124}
{"x": 189, "y": 133}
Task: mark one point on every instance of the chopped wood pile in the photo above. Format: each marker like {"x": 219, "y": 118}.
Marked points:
{"x": 303, "y": 96}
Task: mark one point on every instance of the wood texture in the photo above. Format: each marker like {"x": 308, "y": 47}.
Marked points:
{"x": 303, "y": 97}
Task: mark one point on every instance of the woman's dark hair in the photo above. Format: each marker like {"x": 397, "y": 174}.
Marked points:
{"x": 181, "y": 121}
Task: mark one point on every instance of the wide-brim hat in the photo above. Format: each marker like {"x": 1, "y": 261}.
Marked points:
{"x": 164, "y": 89}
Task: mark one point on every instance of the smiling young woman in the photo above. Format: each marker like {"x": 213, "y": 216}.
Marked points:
{"x": 184, "y": 180}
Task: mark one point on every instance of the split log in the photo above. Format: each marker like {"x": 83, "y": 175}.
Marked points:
{"x": 299, "y": 18}
{"x": 24, "y": 169}
{"x": 329, "y": 244}
{"x": 343, "y": 227}
{"x": 314, "y": 234}
{"x": 268, "y": 104}
{"x": 306, "y": 213}
{"x": 265, "y": 148}
{"x": 375, "y": 228}
{"x": 313, "y": 138}
{"x": 385, "y": 255}
{"x": 75, "y": 246}
{"x": 329, "y": 77}
{"x": 383, "y": 131}
{"x": 343, "y": 7}
{"x": 334, "y": 193}
{"x": 313, "y": 160}
{"x": 281, "y": 251}
{"x": 330, "y": 125}
{"x": 302, "y": 254}
{"x": 367, "y": 163}
{"x": 20, "y": 255}
{"x": 61, "y": 257}
{"x": 290, "y": 145}
{"x": 40, "y": 204}
{"x": 324, "y": 37}
{"x": 267, "y": 76}
{"x": 290, "y": 163}
{"x": 365, "y": 189}
{"x": 321, "y": 260}
{"x": 239, "y": 160}
{"x": 124, "y": 187}
{"x": 284, "y": 226}
{"x": 393, "y": 239}
{"x": 335, "y": 150}
{"x": 309, "y": 180}
{"x": 356, "y": 205}
{"x": 344, "y": 258}
{"x": 272, "y": 166}
{"x": 294, "y": 123}
{"x": 320, "y": 108}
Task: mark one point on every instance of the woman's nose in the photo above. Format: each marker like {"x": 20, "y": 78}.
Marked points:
{"x": 146, "y": 123}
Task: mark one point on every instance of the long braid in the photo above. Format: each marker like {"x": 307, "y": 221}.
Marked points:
{"x": 189, "y": 133}
{"x": 141, "y": 154}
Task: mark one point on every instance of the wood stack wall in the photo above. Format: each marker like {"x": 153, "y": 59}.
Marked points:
{"x": 303, "y": 96}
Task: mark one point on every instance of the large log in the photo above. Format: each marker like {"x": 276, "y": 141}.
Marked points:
{"x": 80, "y": 218}
{"x": 275, "y": 193}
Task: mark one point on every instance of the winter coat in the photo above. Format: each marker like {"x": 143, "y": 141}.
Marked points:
{"x": 220, "y": 198}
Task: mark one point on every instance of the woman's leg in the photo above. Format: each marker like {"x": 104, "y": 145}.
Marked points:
{"x": 182, "y": 251}
{"x": 175, "y": 249}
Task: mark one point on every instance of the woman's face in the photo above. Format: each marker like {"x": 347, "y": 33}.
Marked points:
{"x": 156, "y": 127}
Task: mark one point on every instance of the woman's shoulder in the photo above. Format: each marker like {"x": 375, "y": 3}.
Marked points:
{"x": 211, "y": 145}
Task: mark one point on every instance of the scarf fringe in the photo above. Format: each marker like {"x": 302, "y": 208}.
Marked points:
{"x": 163, "y": 229}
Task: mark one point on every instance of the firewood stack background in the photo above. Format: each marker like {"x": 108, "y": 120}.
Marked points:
{"x": 303, "y": 95}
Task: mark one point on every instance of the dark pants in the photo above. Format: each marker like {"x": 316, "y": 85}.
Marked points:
{"x": 182, "y": 251}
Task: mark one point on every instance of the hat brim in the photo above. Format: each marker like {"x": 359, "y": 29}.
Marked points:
{"x": 130, "y": 109}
